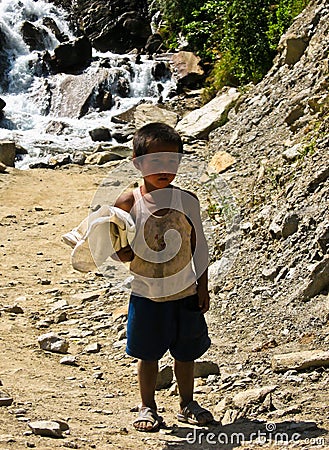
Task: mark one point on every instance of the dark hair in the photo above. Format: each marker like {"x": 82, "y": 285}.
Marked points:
{"x": 155, "y": 133}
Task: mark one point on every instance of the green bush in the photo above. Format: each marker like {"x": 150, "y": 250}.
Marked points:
{"x": 238, "y": 37}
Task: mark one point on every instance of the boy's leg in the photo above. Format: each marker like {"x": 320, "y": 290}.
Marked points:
{"x": 184, "y": 372}
{"x": 147, "y": 372}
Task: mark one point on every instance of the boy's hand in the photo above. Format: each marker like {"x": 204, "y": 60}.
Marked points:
{"x": 204, "y": 299}
{"x": 125, "y": 254}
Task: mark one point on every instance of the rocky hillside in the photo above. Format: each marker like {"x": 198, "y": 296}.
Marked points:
{"x": 278, "y": 134}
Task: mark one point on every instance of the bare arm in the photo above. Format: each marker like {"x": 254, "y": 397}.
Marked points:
{"x": 125, "y": 201}
{"x": 199, "y": 249}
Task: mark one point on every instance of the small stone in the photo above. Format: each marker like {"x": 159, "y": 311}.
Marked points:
{"x": 272, "y": 343}
{"x": 221, "y": 161}
{"x": 173, "y": 390}
{"x": 270, "y": 273}
{"x": 290, "y": 225}
{"x": 252, "y": 396}
{"x": 98, "y": 375}
{"x": 20, "y": 412}
{"x": 93, "y": 348}
{"x": 5, "y": 399}
{"x": 69, "y": 360}
{"x": 70, "y": 444}
{"x": 246, "y": 227}
{"x": 86, "y": 296}
{"x": 15, "y": 309}
{"x": 119, "y": 344}
{"x": 53, "y": 343}
{"x": 202, "y": 389}
{"x": 44, "y": 323}
{"x": 292, "y": 153}
{"x": 122, "y": 335}
{"x": 49, "y": 428}
{"x": 62, "y": 317}
{"x": 275, "y": 230}
{"x": 230, "y": 417}
{"x": 58, "y": 305}
{"x": 120, "y": 312}
{"x": 316, "y": 282}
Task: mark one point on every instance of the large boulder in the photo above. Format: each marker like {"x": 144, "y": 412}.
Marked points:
{"x": 34, "y": 37}
{"x": 187, "y": 69}
{"x": 200, "y": 122}
{"x": 147, "y": 113}
{"x": 70, "y": 56}
{"x": 72, "y": 97}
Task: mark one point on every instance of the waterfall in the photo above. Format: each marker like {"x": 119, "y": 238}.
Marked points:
{"x": 35, "y": 98}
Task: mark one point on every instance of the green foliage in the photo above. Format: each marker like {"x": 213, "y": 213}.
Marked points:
{"x": 205, "y": 31}
{"x": 281, "y": 17}
{"x": 238, "y": 37}
{"x": 245, "y": 39}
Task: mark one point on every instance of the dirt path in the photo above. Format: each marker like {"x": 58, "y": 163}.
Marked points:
{"x": 96, "y": 395}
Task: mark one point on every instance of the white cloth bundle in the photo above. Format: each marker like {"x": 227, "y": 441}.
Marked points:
{"x": 99, "y": 236}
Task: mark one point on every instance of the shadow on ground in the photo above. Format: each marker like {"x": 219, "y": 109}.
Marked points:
{"x": 243, "y": 432}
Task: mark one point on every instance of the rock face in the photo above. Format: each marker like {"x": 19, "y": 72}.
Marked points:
{"x": 116, "y": 26}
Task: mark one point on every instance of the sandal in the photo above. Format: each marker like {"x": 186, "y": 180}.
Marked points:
{"x": 192, "y": 412}
{"x": 147, "y": 414}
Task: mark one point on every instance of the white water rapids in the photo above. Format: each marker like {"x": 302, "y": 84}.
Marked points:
{"x": 24, "y": 120}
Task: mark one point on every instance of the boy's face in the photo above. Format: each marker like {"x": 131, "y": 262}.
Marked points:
{"x": 159, "y": 166}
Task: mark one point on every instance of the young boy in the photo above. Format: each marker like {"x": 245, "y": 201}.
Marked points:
{"x": 169, "y": 259}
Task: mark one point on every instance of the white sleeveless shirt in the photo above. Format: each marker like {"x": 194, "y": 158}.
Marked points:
{"x": 162, "y": 266}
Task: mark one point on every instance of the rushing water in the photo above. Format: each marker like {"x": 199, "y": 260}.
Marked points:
{"x": 25, "y": 120}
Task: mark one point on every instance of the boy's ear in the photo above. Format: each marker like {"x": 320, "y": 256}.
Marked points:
{"x": 136, "y": 162}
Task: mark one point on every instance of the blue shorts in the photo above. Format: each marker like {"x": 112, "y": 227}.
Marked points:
{"x": 155, "y": 327}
